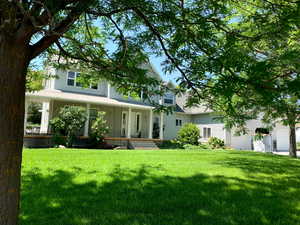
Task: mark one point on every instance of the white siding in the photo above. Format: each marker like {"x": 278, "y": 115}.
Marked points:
{"x": 170, "y": 131}
{"x": 282, "y": 138}
{"x": 61, "y": 84}
{"x": 244, "y": 142}
{"x": 217, "y": 130}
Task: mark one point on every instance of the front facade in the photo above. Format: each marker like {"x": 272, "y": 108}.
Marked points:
{"x": 133, "y": 118}
{"x": 126, "y": 117}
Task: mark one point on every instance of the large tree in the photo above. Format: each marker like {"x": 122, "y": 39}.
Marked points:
{"x": 28, "y": 29}
{"x": 194, "y": 37}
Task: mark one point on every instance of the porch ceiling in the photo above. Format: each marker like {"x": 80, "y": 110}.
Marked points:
{"x": 82, "y": 98}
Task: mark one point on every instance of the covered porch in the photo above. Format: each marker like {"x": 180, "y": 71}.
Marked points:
{"x": 125, "y": 119}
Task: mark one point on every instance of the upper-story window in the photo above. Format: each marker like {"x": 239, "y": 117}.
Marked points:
{"x": 169, "y": 99}
{"x": 73, "y": 80}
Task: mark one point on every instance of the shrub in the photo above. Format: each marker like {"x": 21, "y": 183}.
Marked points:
{"x": 69, "y": 122}
{"x": 215, "y": 142}
{"x": 188, "y": 134}
{"x": 169, "y": 144}
{"x": 196, "y": 147}
{"x": 99, "y": 129}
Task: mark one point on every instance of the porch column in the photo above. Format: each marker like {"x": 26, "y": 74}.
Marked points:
{"x": 150, "y": 124}
{"x": 87, "y": 122}
{"x": 25, "y": 115}
{"x": 45, "y": 117}
{"x": 108, "y": 89}
{"x": 129, "y": 124}
{"x": 161, "y": 126}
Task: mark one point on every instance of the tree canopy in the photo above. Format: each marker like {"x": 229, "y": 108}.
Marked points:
{"x": 225, "y": 51}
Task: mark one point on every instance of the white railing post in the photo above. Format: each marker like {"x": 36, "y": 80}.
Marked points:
{"x": 161, "y": 126}
{"x": 87, "y": 122}
{"x": 150, "y": 124}
{"x": 45, "y": 117}
{"x": 129, "y": 124}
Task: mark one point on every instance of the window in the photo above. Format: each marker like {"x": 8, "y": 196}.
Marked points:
{"x": 73, "y": 80}
{"x": 94, "y": 85}
{"x": 168, "y": 101}
{"x": 138, "y": 122}
{"x": 206, "y": 132}
{"x": 178, "y": 122}
{"x": 169, "y": 98}
{"x": 78, "y": 84}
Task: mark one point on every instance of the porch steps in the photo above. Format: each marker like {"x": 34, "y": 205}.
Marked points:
{"x": 144, "y": 145}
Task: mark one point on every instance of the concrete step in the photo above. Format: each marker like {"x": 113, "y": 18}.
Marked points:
{"x": 142, "y": 145}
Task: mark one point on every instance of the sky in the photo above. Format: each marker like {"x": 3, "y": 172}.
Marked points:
{"x": 156, "y": 63}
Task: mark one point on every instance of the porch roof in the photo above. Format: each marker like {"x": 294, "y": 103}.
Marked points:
{"x": 83, "y": 98}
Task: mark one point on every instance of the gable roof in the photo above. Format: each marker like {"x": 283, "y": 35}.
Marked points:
{"x": 181, "y": 101}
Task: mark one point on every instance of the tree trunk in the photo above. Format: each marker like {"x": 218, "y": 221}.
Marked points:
{"x": 293, "y": 144}
{"x": 13, "y": 67}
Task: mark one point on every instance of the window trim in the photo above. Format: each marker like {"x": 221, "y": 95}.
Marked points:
{"x": 178, "y": 123}
{"x": 166, "y": 97}
{"x": 205, "y": 134}
{"x": 75, "y": 82}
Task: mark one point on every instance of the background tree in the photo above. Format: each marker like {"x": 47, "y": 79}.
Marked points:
{"x": 260, "y": 76}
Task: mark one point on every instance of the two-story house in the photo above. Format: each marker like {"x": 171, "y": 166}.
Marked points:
{"x": 133, "y": 119}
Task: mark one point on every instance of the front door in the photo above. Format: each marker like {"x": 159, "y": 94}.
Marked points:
{"x": 124, "y": 124}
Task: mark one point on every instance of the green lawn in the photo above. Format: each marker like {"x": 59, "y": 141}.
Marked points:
{"x": 80, "y": 187}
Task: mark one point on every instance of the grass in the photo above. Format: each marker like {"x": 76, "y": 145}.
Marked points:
{"x": 169, "y": 187}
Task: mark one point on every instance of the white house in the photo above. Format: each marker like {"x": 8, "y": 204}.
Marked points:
{"x": 132, "y": 119}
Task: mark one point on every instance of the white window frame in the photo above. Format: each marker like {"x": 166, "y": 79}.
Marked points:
{"x": 178, "y": 123}
{"x": 206, "y": 134}
{"x": 75, "y": 81}
{"x": 124, "y": 127}
{"x": 168, "y": 97}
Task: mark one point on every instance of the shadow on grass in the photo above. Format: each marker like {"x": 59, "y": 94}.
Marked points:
{"x": 136, "y": 197}
{"x": 254, "y": 163}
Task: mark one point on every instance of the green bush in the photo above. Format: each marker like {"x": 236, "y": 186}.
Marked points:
{"x": 215, "y": 142}
{"x": 189, "y": 134}
{"x": 196, "y": 147}
{"x": 99, "y": 129}
{"x": 69, "y": 122}
{"x": 169, "y": 144}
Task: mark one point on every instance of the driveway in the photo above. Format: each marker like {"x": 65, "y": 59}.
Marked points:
{"x": 286, "y": 153}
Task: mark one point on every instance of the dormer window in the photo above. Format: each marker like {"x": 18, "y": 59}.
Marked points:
{"x": 169, "y": 99}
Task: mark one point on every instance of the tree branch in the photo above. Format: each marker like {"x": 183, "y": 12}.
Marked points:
{"x": 57, "y": 32}
{"x": 160, "y": 39}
